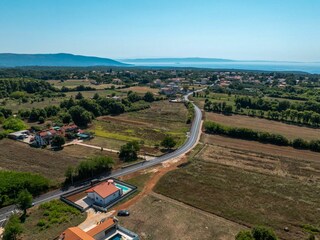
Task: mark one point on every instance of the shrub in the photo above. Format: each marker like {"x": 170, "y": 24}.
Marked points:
{"x": 14, "y": 124}
{"x": 244, "y": 235}
{"x": 263, "y": 233}
{"x": 41, "y": 223}
{"x": 300, "y": 143}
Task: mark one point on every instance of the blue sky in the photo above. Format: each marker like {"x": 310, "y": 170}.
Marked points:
{"x": 235, "y": 29}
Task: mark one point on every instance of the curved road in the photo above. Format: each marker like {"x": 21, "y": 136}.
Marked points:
{"x": 187, "y": 146}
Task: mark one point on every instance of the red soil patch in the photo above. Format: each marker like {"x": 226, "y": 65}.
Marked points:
{"x": 150, "y": 183}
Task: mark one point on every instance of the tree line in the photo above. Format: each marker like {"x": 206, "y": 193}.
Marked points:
{"x": 8, "y": 86}
{"x": 300, "y": 112}
{"x": 81, "y": 110}
{"x": 89, "y": 168}
{"x": 274, "y": 110}
{"x": 264, "y": 137}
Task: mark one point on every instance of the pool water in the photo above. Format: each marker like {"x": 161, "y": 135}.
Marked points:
{"x": 116, "y": 237}
{"x": 125, "y": 189}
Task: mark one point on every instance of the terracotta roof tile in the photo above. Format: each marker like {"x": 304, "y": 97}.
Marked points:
{"x": 75, "y": 233}
{"x": 104, "y": 189}
{"x": 101, "y": 227}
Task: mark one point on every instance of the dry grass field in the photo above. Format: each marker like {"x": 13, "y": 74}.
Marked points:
{"x": 261, "y": 147}
{"x": 149, "y": 125}
{"x": 250, "y": 183}
{"x": 161, "y": 218}
{"x": 77, "y": 82}
{"x": 141, "y": 89}
{"x": 21, "y": 157}
{"x": 290, "y": 131}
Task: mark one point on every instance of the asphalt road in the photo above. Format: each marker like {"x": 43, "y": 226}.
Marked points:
{"x": 188, "y": 145}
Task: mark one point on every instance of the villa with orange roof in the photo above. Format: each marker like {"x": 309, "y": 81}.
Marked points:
{"x": 104, "y": 193}
{"x": 108, "y": 229}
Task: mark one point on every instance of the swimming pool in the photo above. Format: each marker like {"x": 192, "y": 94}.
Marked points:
{"x": 116, "y": 237}
{"x": 125, "y": 189}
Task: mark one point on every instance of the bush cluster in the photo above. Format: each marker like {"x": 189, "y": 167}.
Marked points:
{"x": 11, "y": 183}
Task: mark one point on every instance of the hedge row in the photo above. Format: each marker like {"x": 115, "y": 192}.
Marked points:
{"x": 264, "y": 137}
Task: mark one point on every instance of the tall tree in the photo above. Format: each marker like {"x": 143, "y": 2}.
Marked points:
{"x": 129, "y": 151}
{"x": 168, "y": 142}
{"x": 24, "y": 200}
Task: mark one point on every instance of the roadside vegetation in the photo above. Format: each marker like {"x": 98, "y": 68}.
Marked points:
{"x": 88, "y": 168}
{"x": 44, "y": 222}
{"x": 13, "y": 183}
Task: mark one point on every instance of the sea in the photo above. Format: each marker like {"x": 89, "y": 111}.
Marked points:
{"x": 313, "y": 68}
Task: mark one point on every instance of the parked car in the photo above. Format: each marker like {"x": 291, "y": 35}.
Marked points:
{"x": 123, "y": 213}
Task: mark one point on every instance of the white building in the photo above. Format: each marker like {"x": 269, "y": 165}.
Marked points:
{"x": 104, "y": 193}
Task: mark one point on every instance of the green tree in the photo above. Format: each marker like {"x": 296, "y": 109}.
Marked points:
{"x": 148, "y": 97}
{"x": 244, "y": 235}
{"x": 129, "y": 151}
{"x": 58, "y": 141}
{"x": 79, "y": 96}
{"x": 69, "y": 174}
{"x": 300, "y": 143}
{"x": 41, "y": 120}
{"x": 12, "y": 229}
{"x": 96, "y": 96}
{"x": 24, "y": 200}
{"x": 263, "y": 233}
{"x": 80, "y": 116}
{"x": 14, "y": 124}
{"x": 133, "y": 97}
{"x": 65, "y": 117}
{"x": 168, "y": 142}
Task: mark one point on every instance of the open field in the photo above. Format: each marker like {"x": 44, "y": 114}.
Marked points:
{"x": 15, "y": 106}
{"x": 21, "y": 157}
{"x": 141, "y": 89}
{"x": 250, "y": 188}
{"x": 252, "y": 160}
{"x": 246, "y": 197}
{"x": 261, "y": 147}
{"x": 158, "y": 218}
{"x": 259, "y": 124}
{"x": 77, "y": 82}
{"x": 149, "y": 125}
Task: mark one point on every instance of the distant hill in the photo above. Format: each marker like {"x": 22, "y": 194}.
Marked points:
{"x": 59, "y": 60}
{"x": 176, "y": 60}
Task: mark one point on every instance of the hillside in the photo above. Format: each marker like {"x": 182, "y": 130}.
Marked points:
{"x": 59, "y": 59}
